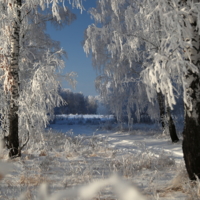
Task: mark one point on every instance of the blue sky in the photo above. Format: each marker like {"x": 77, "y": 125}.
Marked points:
{"x": 70, "y": 38}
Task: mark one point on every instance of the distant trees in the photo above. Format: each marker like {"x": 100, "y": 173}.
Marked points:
{"x": 76, "y": 103}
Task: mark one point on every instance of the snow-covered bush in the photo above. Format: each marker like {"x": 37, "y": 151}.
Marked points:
{"x": 136, "y": 162}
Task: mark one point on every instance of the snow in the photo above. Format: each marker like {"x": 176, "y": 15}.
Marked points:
{"x": 121, "y": 140}
{"x": 79, "y": 159}
{"x": 76, "y": 117}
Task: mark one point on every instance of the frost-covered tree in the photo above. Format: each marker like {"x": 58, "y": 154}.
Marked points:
{"x": 126, "y": 99}
{"x": 29, "y": 62}
{"x": 179, "y": 60}
{"x": 121, "y": 45}
{"x": 118, "y": 71}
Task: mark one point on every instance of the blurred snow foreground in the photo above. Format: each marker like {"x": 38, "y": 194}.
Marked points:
{"x": 122, "y": 189}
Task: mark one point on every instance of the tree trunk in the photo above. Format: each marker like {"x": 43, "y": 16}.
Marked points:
{"x": 161, "y": 103}
{"x": 170, "y": 122}
{"x": 191, "y": 132}
{"x": 13, "y": 137}
{"x": 171, "y": 125}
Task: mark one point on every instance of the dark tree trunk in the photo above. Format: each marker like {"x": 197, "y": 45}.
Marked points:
{"x": 172, "y": 128}
{"x": 191, "y": 132}
{"x": 191, "y": 147}
{"x": 170, "y": 122}
{"x": 13, "y": 137}
{"x": 161, "y": 102}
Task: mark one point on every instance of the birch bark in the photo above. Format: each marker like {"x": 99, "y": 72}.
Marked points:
{"x": 13, "y": 138}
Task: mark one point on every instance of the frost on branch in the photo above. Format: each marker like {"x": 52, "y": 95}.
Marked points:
{"x": 40, "y": 96}
{"x": 118, "y": 53}
{"x": 176, "y": 54}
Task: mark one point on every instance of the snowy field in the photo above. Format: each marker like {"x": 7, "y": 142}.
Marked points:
{"x": 69, "y": 156}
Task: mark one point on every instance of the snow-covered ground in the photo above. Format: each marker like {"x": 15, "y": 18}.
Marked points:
{"x": 68, "y": 156}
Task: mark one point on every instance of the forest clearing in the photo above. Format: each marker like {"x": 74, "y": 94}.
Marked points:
{"x": 67, "y": 157}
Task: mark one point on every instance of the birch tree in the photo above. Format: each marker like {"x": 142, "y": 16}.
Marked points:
{"x": 118, "y": 71}
{"x": 29, "y": 60}
{"x": 180, "y": 59}
{"x": 122, "y": 37}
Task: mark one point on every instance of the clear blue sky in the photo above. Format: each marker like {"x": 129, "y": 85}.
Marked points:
{"x": 70, "y": 38}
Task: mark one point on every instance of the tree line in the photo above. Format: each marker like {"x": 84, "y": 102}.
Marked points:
{"x": 76, "y": 103}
